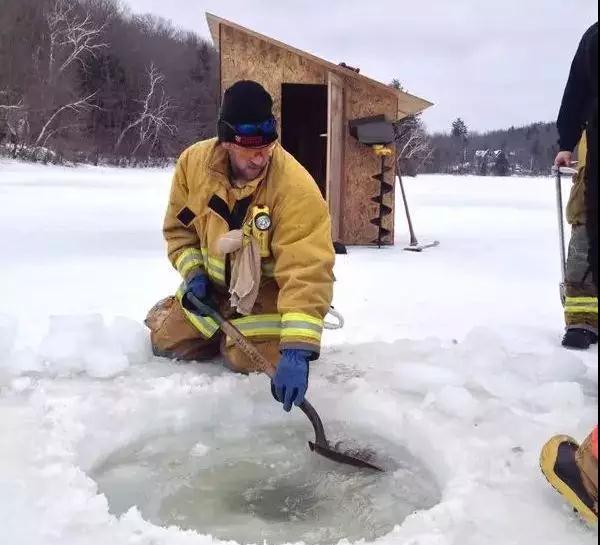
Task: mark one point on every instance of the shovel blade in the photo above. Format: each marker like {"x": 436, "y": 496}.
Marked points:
{"x": 341, "y": 457}
{"x": 420, "y": 247}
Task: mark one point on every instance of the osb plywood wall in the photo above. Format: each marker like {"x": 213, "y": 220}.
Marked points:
{"x": 363, "y": 100}
{"x": 246, "y": 57}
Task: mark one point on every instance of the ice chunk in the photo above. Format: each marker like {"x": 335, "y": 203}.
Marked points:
{"x": 422, "y": 379}
{"x": 19, "y": 362}
{"x": 26, "y": 361}
{"x": 132, "y": 338}
{"x": 483, "y": 348}
{"x": 557, "y": 396}
{"x": 21, "y": 384}
{"x": 199, "y": 449}
{"x": 77, "y": 344}
{"x": 506, "y": 386}
{"x": 66, "y": 341}
{"x": 104, "y": 363}
{"x": 558, "y": 366}
{"x": 456, "y": 401}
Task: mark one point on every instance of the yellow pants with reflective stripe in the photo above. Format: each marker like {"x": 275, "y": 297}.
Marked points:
{"x": 291, "y": 330}
{"x": 582, "y": 312}
{"x": 581, "y": 305}
{"x": 174, "y": 336}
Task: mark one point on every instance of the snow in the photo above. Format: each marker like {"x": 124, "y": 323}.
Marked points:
{"x": 449, "y": 368}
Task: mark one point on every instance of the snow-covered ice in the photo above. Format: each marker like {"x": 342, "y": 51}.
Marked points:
{"x": 449, "y": 368}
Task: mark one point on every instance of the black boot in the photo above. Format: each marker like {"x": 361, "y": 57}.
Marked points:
{"x": 340, "y": 249}
{"x": 579, "y": 339}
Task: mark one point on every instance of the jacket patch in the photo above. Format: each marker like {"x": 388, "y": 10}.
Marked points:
{"x": 234, "y": 218}
{"x": 239, "y": 212}
{"x": 186, "y": 216}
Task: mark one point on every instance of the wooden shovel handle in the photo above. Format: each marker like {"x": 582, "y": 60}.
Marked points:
{"x": 261, "y": 363}
{"x": 259, "y": 360}
{"x": 247, "y": 348}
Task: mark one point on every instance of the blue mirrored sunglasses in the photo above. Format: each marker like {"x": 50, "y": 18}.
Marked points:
{"x": 248, "y": 129}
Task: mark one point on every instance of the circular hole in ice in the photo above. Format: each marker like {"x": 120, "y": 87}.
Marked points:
{"x": 266, "y": 486}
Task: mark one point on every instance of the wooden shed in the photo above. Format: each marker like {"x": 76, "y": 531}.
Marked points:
{"x": 315, "y": 101}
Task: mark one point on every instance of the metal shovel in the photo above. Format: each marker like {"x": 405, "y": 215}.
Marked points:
{"x": 321, "y": 445}
{"x": 414, "y": 245}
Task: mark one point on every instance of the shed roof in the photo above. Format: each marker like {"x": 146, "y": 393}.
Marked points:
{"x": 407, "y": 104}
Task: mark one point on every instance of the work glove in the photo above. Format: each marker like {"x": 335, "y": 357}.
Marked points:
{"x": 197, "y": 286}
{"x": 290, "y": 382}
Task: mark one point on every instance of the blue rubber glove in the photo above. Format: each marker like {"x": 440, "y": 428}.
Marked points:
{"x": 198, "y": 286}
{"x": 290, "y": 382}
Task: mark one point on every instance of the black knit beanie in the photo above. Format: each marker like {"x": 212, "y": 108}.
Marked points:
{"x": 246, "y": 102}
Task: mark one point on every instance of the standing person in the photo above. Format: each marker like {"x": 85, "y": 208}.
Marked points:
{"x": 572, "y": 469}
{"x": 579, "y": 113}
{"x": 581, "y": 304}
{"x": 249, "y": 232}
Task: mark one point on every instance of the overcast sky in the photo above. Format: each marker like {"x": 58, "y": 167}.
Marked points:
{"x": 495, "y": 64}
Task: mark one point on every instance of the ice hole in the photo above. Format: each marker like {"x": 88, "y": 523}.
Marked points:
{"x": 265, "y": 487}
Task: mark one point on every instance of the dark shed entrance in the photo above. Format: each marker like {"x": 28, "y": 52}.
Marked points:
{"x": 304, "y": 128}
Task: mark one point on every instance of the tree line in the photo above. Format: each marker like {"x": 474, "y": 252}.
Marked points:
{"x": 86, "y": 80}
{"x": 527, "y": 150}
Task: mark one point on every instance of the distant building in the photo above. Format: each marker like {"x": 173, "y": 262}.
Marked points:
{"x": 492, "y": 163}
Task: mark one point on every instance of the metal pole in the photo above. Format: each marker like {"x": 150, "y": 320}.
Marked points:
{"x": 413, "y": 237}
{"x": 561, "y": 226}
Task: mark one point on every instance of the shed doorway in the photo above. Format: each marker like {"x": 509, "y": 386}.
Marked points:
{"x": 304, "y": 128}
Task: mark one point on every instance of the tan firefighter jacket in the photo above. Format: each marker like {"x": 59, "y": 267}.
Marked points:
{"x": 204, "y": 206}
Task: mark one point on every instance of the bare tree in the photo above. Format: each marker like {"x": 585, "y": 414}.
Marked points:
{"x": 87, "y": 77}
{"x": 10, "y": 116}
{"x": 412, "y": 141}
{"x": 77, "y": 106}
{"x": 413, "y": 145}
{"x": 153, "y": 117}
{"x": 8, "y": 105}
{"x": 72, "y": 39}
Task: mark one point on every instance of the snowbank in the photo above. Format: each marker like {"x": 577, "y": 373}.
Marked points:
{"x": 77, "y": 344}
